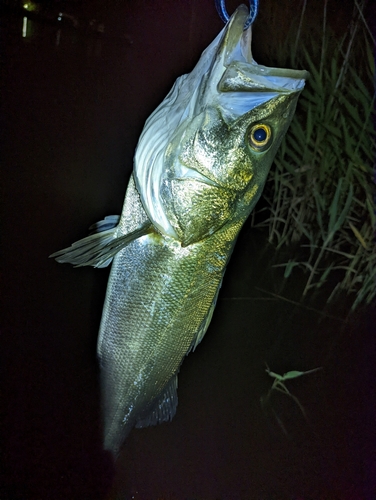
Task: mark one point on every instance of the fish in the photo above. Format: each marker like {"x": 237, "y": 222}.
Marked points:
{"x": 200, "y": 166}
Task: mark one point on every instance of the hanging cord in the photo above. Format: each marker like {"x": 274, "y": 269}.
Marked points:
{"x": 253, "y": 9}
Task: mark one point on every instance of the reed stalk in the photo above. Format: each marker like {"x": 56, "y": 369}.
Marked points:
{"x": 320, "y": 193}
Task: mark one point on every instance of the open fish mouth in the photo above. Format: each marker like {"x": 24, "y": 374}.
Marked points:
{"x": 226, "y": 79}
{"x": 237, "y": 83}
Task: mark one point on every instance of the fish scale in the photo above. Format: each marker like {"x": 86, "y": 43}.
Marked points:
{"x": 149, "y": 348}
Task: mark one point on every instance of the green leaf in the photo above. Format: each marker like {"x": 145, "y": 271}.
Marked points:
{"x": 324, "y": 275}
{"x": 336, "y": 224}
{"x": 295, "y": 373}
{"x": 358, "y": 236}
{"x": 353, "y": 112}
{"x": 289, "y": 267}
{"x": 332, "y": 129}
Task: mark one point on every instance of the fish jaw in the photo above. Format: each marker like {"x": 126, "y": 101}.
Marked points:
{"x": 225, "y": 89}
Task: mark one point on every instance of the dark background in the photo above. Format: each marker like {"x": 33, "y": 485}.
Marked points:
{"x": 73, "y": 106}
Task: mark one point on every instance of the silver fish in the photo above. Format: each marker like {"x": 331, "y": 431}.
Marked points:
{"x": 200, "y": 166}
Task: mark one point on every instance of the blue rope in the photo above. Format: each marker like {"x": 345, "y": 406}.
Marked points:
{"x": 253, "y": 9}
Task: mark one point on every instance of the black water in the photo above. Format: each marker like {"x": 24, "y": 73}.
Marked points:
{"x": 73, "y": 106}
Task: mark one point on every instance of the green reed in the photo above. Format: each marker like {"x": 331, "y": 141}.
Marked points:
{"x": 320, "y": 193}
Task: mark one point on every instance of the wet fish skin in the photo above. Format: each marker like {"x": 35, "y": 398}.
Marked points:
{"x": 162, "y": 291}
{"x": 149, "y": 325}
{"x": 198, "y": 174}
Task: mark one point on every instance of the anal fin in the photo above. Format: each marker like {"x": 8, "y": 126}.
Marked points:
{"x": 164, "y": 408}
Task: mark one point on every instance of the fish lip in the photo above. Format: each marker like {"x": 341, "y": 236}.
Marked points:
{"x": 296, "y": 74}
{"x": 250, "y": 77}
{"x": 237, "y": 51}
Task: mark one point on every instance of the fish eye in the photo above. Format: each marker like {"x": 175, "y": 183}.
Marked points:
{"x": 259, "y": 137}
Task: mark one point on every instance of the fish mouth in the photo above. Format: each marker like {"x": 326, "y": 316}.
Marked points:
{"x": 239, "y": 83}
{"x": 225, "y": 78}
{"x": 236, "y": 84}
{"x": 276, "y": 78}
{"x": 236, "y": 46}
{"x": 250, "y": 77}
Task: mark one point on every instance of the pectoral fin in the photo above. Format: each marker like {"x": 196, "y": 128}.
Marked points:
{"x": 98, "y": 249}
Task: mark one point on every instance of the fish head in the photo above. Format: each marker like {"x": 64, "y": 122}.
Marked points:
{"x": 214, "y": 138}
